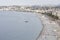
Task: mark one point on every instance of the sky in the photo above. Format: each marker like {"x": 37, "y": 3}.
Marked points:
{"x": 29, "y": 2}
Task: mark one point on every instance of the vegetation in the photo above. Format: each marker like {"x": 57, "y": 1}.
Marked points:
{"x": 51, "y": 15}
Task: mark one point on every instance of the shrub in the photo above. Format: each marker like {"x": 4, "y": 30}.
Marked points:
{"x": 50, "y": 14}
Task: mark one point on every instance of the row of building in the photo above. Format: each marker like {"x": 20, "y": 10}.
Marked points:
{"x": 55, "y": 11}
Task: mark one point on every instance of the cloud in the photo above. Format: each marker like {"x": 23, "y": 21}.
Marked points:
{"x": 29, "y": 2}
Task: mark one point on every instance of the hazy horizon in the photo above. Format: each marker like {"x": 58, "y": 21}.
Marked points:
{"x": 29, "y": 2}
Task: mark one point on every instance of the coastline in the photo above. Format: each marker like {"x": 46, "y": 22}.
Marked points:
{"x": 50, "y": 28}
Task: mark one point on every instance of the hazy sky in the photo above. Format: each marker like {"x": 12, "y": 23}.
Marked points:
{"x": 29, "y": 2}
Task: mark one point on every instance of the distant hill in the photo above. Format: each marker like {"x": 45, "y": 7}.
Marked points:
{"x": 58, "y": 6}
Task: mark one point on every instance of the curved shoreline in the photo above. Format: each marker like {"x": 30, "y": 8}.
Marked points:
{"x": 50, "y": 29}
{"x": 41, "y": 30}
